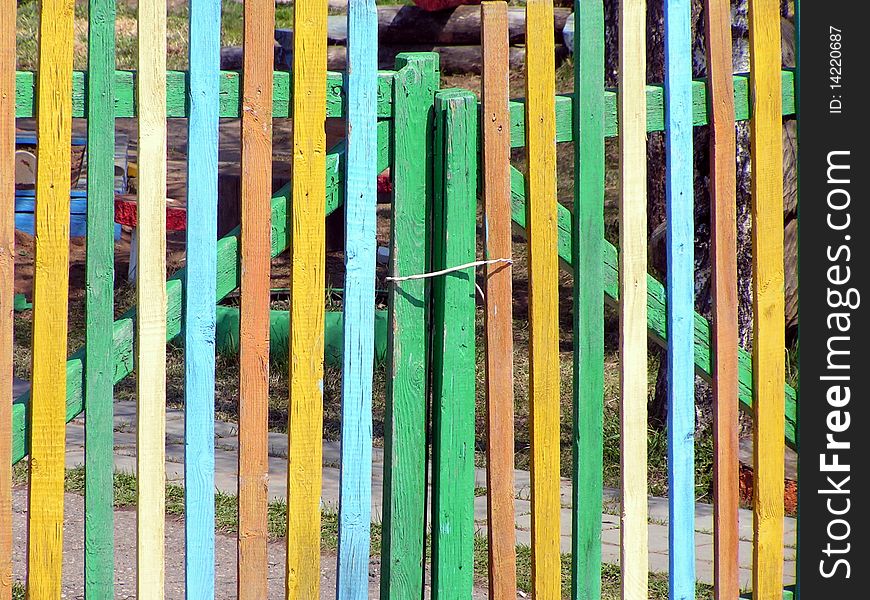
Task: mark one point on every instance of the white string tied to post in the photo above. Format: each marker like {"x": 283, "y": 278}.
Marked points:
{"x": 477, "y": 263}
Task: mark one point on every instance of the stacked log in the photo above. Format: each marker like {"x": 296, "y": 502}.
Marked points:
{"x": 454, "y": 34}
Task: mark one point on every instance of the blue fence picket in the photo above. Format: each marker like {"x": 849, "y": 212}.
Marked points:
{"x": 200, "y": 290}
{"x": 680, "y": 307}
{"x": 359, "y": 302}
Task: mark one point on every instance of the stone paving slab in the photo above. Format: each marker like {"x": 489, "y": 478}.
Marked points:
{"x": 226, "y": 463}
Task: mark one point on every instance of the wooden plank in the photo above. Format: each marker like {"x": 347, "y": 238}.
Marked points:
{"x": 355, "y": 495}
{"x": 151, "y": 300}
{"x": 199, "y": 306}
{"x": 768, "y": 344}
{"x": 632, "y": 294}
{"x": 305, "y": 411}
{"x": 228, "y": 280}
{"x": 587, "y": 233}
{"x": 725, "y": 341}
{"x": 7, "y": 284}
{"x": 50, "y": 295}
{"x": 680, "y": 246}
{"x": 256, "y": 187}
{"x": 495, "y": 154}
{"x": 177, "y": 90}
{"x": 405, "y": 418}
{"x": 544, "y": 397}
{"x": 99, "y": 561}
{"x": 453, "y": 386}
{"x": 655, "y": 99}
{"x": 231, "y": 100}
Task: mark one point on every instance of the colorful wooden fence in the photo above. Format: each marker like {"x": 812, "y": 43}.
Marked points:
{"x": 443, "y": 148}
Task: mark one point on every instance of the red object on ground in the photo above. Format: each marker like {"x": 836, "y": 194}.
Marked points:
{"x": 125, "y": 213}
{"x": 434, "y": 5}
{"x": 747, "y": 489}
{"x": 385, "y": 184}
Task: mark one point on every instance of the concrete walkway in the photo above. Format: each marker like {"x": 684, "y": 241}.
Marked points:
{"x": 226, "y": 459}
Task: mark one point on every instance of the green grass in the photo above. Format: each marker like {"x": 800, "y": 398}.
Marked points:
{"x": 226, "y": 521}
{"x": 125, "y": 32}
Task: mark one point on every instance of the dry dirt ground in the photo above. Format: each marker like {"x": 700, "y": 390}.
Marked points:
{"x": 125, "y": 556}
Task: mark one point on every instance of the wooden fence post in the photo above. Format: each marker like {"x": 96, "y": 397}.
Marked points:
{"x": 151, "y": 300}
{"x": 587, "y": 233}
{"x": 99, "y": 562}
{"x": 723, "y": 217}
{"x": 305, "y": 411}
{"x": 632, "y": 298}
{"x": 768, "y": 344}
{"x": 495, "y": 170}
{"x": 255, "y": 237}
{"x": 679, "y": 206}
{"x": 405, "y": 418}
{"x": 50, "y": 297}
{"x": 7, "y": 284}
{"x": 199, "y": 305}
{"x": 355, "y": 501}
{"x": 544, "y": 372}
{"x": 453, "y": 342}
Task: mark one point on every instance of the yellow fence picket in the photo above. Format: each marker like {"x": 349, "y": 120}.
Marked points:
{"x": 768, "y": 284}
{"x": 305, "y": 412}
{"x": 151, "y": 299}
{"x": 50, "y": 294}
{"x": 543, "y": 300}
{"x": 632, "y": 294}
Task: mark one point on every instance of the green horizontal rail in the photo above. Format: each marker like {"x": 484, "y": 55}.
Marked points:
{"x": 177, "y": 87}
{"x": 656, "y": 308}
{"x": 227, "y": 281}
{"x": 655, "y": 108}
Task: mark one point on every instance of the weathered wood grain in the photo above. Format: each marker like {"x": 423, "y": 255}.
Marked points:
{"x": 199, "y": 305}
{"x": 99, "y": 562}
{"x": 177, "y": 89}
{"x": 256, "y": 181}
{"x": 495, "y": 171}
{"x": 725, "y": 341}
{"x": 307, "y": 252}
{"x": 405, "y": 419}
{"x": 453, "y": 346}
{"x": 680, "y": 246}
{"x": 632, "y": 294}
{"x": 7, "y": 284}
{"x": 768, "y": 343}
{"x": 355, "y": 501}
{"x": 544, "y": 401}
{"x": 50, "y": 295}
{"x": 151, "y": 300}
{"x": 587, "y": 240}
